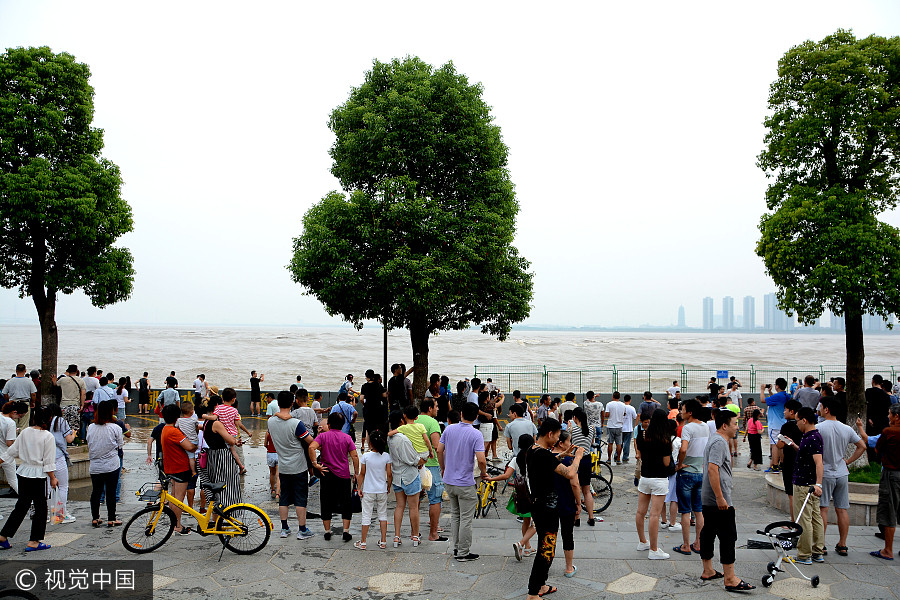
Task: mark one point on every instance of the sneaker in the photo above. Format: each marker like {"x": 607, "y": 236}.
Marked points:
{"x": 520, "y": 519}
{"x": 285, "y": 532}
{"x": 468, "y": 557}
{"x": 675, "y": 527}
{"x": 803, "y": 561}
{"x": 68, "y": 519}
{"x": 643, "y": 546}
{"x": 663, "y": 525}
{"x": 818, "y": 558}
{"x": 327, "y": 536}
{"x": 657, "y": 555}
{"x": 305, "y": 533}
{"x": 346, "y": 537}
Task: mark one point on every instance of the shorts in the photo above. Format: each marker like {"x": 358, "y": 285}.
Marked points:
{"x": 271, "y": 459}
{"x": 672, "y": 494}
{"x": 888, "y": 511}
{"x": 654, "y": 486}
{"x": 294, "y": 489}
{"x": 487, "y": 431}
{"x": 835, "y": 492}
{"x": 585, "y": 470}
{"x": 376, "y": 502}
{"x": 192, "y": 483}
{"x": 773, "y": 435}
{"x": 144, "y": 397}
{"x": 688, "y": 489}
{"x": 182, "y": 477}
{"x": 436, "y": 491}
{"x": 410, "y": 489}
{"x": 614, "y": 435}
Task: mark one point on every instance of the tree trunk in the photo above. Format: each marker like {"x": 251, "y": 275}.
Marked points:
{"x": 856, "y": 371}
{"x": 46, "y": 309}
{"x": 418, "y": 335}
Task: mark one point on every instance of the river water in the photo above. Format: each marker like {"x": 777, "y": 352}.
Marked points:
{"x": 323, "y": 356}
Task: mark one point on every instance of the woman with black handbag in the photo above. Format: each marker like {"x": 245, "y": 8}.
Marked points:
{"x": 520, "y": 501}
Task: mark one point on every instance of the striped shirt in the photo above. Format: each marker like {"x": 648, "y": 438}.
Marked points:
{"x": 579, "y": 439}
{"x": 228, "y": 415}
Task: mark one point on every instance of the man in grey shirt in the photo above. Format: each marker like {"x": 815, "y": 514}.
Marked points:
{"x": 836, "y": 436}
{"x": 21, "y": 387}
{"x": 807, "y": 395}
{"x": 517, "y": 426}
{"x": 290, "y": 438}
{"x": 718, "y": 509}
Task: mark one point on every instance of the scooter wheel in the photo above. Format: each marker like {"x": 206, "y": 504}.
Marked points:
{"x": 767, "y": 580}
{"x": 770, "y": 568}
{"x": 815, "y": 581}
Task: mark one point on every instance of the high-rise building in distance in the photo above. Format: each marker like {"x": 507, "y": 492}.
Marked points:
{"x": 708, "y": 315}
{"x": 749, "y": 315}
{"x": 727, "y": 313}
{"x": 681, "y": 324}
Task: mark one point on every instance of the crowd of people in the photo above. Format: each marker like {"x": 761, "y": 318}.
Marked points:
{"x": 436, "y": 449}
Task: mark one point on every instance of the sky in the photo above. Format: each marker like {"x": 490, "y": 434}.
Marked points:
{"x": 633, "y": 130}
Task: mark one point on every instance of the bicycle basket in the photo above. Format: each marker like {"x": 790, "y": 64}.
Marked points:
{"x": 149, "y": 492}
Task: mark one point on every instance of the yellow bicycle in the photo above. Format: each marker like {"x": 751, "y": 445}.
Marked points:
{"x": 242, "y": 528}
{"x": 487, "y": 494}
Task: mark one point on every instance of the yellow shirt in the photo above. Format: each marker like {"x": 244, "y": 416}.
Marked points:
{"x": 415, "y": 431}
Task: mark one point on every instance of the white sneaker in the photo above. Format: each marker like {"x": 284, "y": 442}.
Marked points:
{"x": 663, "y": 525}
{"x": 658, "y": 555}
{"x": 675, "y": 527}
{"x": 643, "y": 546}
{"x": 68, "y": 519}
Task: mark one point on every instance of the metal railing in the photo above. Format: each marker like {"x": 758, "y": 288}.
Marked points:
{"x": 636, "y": 378}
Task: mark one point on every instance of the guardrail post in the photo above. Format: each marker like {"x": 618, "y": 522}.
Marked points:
{"x": 683, "y": 378}
{"x": 615, "y": 375}
{"x": 753, "y": 379}
{"x": 544, "y": 381}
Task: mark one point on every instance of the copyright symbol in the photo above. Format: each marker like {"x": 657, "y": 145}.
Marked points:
{"x": 26, "y": 579}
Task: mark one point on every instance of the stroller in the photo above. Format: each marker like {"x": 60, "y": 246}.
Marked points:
{"x": 782, "y": 541}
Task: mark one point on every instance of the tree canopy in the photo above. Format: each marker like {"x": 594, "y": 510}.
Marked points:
{"x": 60, "y": 204}
{"x": 832, "y": 153}
{"x": 422, "y": 238}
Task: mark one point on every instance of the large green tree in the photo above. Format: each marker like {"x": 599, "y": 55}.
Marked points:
{"x": 833, "y": 152}
{"x": 423, "y": 238}
{"x": 60, "y": 203}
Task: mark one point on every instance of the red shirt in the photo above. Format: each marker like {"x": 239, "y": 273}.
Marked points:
{"x": 228, "y": 416}
{"x": 175, "y": 459}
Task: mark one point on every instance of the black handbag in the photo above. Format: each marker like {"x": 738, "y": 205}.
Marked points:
{"x": 355, "y": 502}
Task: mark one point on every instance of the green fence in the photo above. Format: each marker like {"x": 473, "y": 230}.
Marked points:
{"x": 636, "y": 378}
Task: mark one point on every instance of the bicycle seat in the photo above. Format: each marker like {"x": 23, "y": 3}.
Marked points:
{"x": 213, "y": 487}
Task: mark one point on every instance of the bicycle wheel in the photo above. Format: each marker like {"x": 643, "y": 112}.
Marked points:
{"x": 602, "y": 492}
{"x": 486, "y": 504}
{"x": 604, "y": 470}
{"x": 254, "y": 526}
{"x": 140, "y": 535}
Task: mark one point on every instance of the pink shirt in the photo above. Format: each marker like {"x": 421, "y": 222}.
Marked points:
{"x": 228, "y": 415}
{"x": 335, "y": 447}
{"x": 754, "y": 426}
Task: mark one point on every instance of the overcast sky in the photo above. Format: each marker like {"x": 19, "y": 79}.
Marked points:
{"x": 633, "y": 131}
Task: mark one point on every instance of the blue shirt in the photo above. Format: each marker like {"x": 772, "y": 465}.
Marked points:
{"x": 775, "y": 411}
{"x": 348, "y": 412}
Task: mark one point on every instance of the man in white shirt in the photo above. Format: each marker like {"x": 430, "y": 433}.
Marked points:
{"x": 627, "y": 428}
{"x": 615, "y": 415}
{"x": 673, "y": 390}
{"x": 91, "y": 383}
{"x": 200, "y": 388}
{"x": 21, "y": 388}
{"x": 569, "y": 404}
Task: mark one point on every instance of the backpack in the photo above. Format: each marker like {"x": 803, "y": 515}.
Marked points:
{"x": 522, "y": 495}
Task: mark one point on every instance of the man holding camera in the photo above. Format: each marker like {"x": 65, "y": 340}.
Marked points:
{"x": 774, "y": 418}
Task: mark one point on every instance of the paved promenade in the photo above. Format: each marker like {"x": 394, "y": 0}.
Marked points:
{"x": 608, "y": 564}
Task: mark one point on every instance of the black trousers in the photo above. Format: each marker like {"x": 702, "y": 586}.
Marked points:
{"x": 101, "y": 481}
{"x": 546, "y": 522}
{"x": 718, "y": 524}
{"x": 334, "y": 497}
{"x": 755, "y": 447}
{"x": 567, "y": 529}
{"x": 31, "y": 490}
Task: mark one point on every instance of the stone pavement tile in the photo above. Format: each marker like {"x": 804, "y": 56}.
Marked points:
{"x": 442, "y": 581}
{"x": 653, "y": 568}
{"x": 678, "y": 583}
{"x": 195, "y": 593}
{"x": 186, "y": 583}
{"x": 798, "y": 589}
{"x": 396, "y": 583}
{"x": 863, "y": 591}
{"x": 323, "y": 583}
{"x": 412, "y": 562}
{"x": 358, "y": 562}
{"x": 239, "y": 572}
{"x": 876, "y": 573}
{"x": 632, "y": 583}
{"x": 295, "y": 559}
{"x": 484, "y": 564}
{"x": 598, "y": 569}
{"x": 60, "y": 538}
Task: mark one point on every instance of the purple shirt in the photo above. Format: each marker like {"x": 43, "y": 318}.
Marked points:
{"x": 335, "y": 447}
{"x": 461, "y": 441}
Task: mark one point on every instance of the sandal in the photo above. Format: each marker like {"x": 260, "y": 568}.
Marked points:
{"x": 878, "y": 554}
{"x": 40, "y": 546}
{"x": 397, "y": 541}
{"x": 711, "y": 577}
{"x": 517, "y": 550}
{"x": 359, "y": 545}
{"x": 382, "y": 545}
{"x": 743, "y": 586}
{"x": 680, "y": 551}
{"x": 97, "y": 522}
{"x": 5, "y": 545}
{"x": 550, "y": 590}
{"x": 527, "y": 552}
{"x": 841, "y": 550}
{"x": 116, "y": 523}
{"x": 415, "y": 540}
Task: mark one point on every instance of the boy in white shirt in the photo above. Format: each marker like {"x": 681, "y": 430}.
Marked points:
{"x": 374, "y": 481}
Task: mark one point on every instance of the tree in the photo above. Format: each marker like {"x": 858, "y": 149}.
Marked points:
{"x": 423, "y": 239}
{"x": 60, "y": 203}
{"x": 833, "y": 151}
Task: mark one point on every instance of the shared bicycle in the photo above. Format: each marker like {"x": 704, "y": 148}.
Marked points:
{"x": 242, "y": 528}
{"x": 487, "y": 494}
